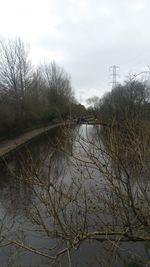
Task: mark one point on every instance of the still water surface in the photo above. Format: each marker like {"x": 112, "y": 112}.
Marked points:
{"x": 16, "y": 198}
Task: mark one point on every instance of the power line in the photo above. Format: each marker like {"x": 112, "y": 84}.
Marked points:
{"x": 114, "y": 73}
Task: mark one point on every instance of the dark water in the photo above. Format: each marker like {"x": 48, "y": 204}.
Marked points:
{"x": 51, "y": 153}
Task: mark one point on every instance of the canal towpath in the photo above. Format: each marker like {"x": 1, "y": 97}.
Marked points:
{"x": 10, "y": 145}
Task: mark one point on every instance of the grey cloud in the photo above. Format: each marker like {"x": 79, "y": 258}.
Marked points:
{"x": 99, "y": 34}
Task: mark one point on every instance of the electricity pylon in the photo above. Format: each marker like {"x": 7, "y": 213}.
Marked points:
{"x": 114, "y": 75}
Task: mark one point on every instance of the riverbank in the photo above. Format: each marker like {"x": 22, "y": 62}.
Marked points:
{"x": 8, "y": 146}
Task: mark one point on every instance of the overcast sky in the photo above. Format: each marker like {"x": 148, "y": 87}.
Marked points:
{"x": 86, "y": 37}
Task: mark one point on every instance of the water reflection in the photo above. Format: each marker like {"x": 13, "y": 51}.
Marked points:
{"x": 59, "y": 177}
{"x": 37, "y": 154}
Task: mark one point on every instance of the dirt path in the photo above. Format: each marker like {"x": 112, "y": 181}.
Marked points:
{"x": 7, "y": 146}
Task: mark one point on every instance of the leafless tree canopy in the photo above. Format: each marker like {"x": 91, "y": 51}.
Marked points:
{"x": 93, "y": 187}
{"x": 31, "y": 96}
{"x": 100, "y": 192}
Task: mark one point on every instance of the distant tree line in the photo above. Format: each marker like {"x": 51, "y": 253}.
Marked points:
{"x": 124, "y": 114}
{"x": 31, "y": 96}
{"x": 127, "y": 101}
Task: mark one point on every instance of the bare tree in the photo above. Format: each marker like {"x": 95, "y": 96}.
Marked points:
{"x": 15, "y": 73}
{"x": 59, "y": 90}
{"x": 125, "y": 101}
{"x": 101, "y": 194}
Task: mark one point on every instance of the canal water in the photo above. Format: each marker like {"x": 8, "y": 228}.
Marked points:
{"x": 25, "y": 216}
